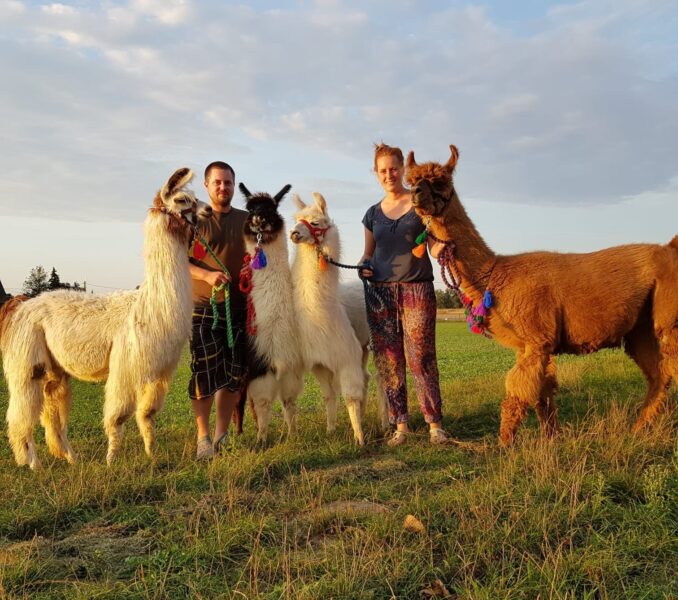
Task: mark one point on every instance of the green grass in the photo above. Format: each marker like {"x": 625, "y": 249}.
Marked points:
{"x": 591, "y": 514}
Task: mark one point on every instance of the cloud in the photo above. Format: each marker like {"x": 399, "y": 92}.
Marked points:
{"x": 102, "y": 101}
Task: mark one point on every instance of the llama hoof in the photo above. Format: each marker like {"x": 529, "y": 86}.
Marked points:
{"x": 110, "y": 457}
{"x": 638, "y": 426}
{"x": 505, "y": 442}
{"x": 71, "y": 457}
{"x": 359, "y": 440}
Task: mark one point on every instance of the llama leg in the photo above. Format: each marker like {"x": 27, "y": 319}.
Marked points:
{"x": 654, "y": 343}
{"x": 290, "y": 388}
{"x": 54, "y": 417}
{"x": 118, "y": 407}
{"x": 150, "y": 401}
{"x": 524, "y": 383}
{"x": 324, "y": 377}
{"x": 261, "y": 393}
{"x": 382, "y": 403}
{"x": 353, "y": 389}
{"x": 656, "y": 360}
{"x": 546, "y": 408}
{"x": 23, "y": 411}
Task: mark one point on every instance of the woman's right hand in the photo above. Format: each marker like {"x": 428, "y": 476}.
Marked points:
{"x": 365, "y": 271}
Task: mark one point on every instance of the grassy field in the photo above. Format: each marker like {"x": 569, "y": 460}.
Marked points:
{"x": 592, "y": 514}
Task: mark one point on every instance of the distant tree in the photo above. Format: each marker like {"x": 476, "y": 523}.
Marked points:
{"x": 447, "y": 299}
{"x": 54, "y": 282}
{"x": 36, "y": 282}
{"x": 76, "y": 286}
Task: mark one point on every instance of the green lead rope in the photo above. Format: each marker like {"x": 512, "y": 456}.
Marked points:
{"x": 215, "y": 311}
{"x": 226, "y": 288}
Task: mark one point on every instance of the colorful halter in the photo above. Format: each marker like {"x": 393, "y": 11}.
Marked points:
{"x": 316, "y": 233}
{"x": 476, "y": 316}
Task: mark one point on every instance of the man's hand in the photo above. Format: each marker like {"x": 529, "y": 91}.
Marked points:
{"x": 216, "y": 278}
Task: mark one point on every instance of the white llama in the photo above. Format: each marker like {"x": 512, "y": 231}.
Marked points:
{"x": 275, "y": 360}
{"x": 132, "y": 339}
{"x": 328, "y": 340}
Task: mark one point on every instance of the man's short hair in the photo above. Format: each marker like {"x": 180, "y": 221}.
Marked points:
{"x": 218, "y": 164}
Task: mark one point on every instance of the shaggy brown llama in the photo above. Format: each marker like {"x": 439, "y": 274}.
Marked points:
{"x": 548, "y": 303}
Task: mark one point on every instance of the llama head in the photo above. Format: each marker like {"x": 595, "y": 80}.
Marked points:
{"x": 182, "y": 209}
{"x": 431, "y": 184}
{"x": 264, "y": 221}
{"x": 312, "y": 221}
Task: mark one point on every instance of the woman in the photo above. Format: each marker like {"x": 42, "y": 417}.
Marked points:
{"x": 402, "y": 303}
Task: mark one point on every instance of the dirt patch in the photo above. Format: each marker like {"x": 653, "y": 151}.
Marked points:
{"x": 111, "y": 544}
{"x": 90, "y": 552}
{"x": 373, "y": 469}
{"x": 352, "y": 507}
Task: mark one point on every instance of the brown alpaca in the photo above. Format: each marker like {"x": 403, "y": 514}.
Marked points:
{"x": 547, "y": 303}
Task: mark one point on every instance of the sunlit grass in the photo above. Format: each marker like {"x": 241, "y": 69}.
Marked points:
{"x": 591, "y": 514}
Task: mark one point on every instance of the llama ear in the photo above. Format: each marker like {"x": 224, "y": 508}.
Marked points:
{"x": 410, "y": 162}
{"x": 281, "y": 194}
{"x": 299, "y": 203}
{"x": 320, "y": 202}
{"x": 244, "y": 190}
{"x": 454, "y": 157}
{"x": 177, "y": 180}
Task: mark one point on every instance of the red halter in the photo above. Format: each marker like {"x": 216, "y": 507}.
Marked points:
{"x": 316, "y": 232}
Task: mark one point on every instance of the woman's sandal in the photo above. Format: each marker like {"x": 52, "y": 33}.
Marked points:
{"x": 397, "y": 439}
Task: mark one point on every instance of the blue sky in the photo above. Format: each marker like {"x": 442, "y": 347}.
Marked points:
{"x": 565, "y": 113}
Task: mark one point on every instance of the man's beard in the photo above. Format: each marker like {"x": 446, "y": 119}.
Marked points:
{"x": 222, "y": 202}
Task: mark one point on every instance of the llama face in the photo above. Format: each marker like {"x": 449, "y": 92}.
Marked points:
{"x": 178, "y": 201}
{"x": 431, "y": 184}
{"x": 312, "y": 221}
{"x": 264, "y": 222}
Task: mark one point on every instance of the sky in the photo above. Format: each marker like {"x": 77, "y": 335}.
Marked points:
{"x": 565, "y": 115}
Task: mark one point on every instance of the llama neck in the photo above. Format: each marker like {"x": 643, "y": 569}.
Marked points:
{"x": 275, "y": 251}
{"x": 167, "y": 281}
{"x": 474, "y": 257}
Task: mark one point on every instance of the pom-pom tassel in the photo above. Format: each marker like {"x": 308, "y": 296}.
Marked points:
{"x": 259, "y": 260}
{"x": 322, "y": 263}
{"x": 419, "y": 250}
{"x": 487, "y": 299}
{"x": 197, "y": 250}
{"x": 421, "y": 238}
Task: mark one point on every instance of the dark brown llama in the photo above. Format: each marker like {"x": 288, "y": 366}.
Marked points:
{"x": 548, "y": 303}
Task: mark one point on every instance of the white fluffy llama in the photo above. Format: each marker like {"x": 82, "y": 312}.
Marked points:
{"x": 328, "y": 340}
{"x": 132, "y": 340}
{"x": 275, "y": 361}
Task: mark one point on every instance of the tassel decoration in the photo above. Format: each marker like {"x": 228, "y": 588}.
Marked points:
{"x": 487, "y": 299}
{"x": 322, "y": 262}
{"x": 259, "y": 260}
{"x": 197, "y": 250}
{"x": 420, "y": 249}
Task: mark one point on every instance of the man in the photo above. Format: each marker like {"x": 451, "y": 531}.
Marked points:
{"x": 217, "y": 371}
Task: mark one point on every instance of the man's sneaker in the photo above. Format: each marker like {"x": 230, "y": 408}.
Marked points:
{"x": 205, "y": 450}
{"x": 438, "y": 436}
{"x": 397, "y": 439}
